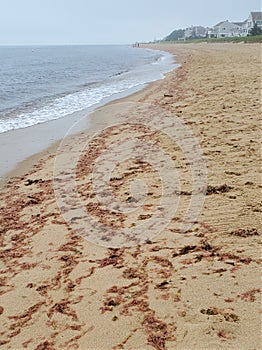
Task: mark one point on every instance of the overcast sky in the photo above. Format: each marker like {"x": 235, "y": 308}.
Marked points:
{"x": 25, "y": 22}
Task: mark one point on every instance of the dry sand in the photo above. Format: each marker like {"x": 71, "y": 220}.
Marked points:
{"x": 194, "y": 290}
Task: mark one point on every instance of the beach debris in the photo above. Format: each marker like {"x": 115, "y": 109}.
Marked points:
{"x": 115, "y": 258}
{"x": 223, "y": 334}
{"x": 204, "y": 245}
{"x": 230, "y": 258}
{"x": 221, "y": 270}
{"x": 176, "y": 298}
{"x": 46, "y": 345}
{"x": 245, "y": 232}
{"x": 131, "y": 200}
{"x": 218, "y": 189}
{"x": 249, "y": 295}
{"x": 186, "y": 249}
{"x": 27, "y": 342}
{"x": 229, "y": 300}
{"x": 144, "y": 216}
{"x": 23, "y": 319}
{"x": 130, "y": 273}
{"x": 31, "y": 182}
{"x": 33, "y": 200}
{"x": 90, "y": 273}
{"x": 232, "y": 173}
{"x": 158, "y": 332}
{"x": 230, "y": 317}
{"x": 249, "y": 183}
{"x": 62, "y": 307}
{"x": 162, "y": 284}
{"x": 210, "y": 311}
{"x": 213, "y": 311}
{"x": 183, "y": 193}
{"x": 168, "y": 95}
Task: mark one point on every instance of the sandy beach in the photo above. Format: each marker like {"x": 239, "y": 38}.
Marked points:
{"x": 89, "y": 267}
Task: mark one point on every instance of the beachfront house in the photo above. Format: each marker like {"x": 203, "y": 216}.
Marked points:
{"x": 195, "y": 32}
{"x": 242, "y": 27}
{"x": 226, "y": 29}
{"x": 254, "y": 18}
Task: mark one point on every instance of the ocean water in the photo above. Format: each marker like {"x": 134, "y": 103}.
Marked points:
{"x": 39, "y": 84}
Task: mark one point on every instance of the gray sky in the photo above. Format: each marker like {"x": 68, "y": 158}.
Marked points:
{"x": 25, "y": 22}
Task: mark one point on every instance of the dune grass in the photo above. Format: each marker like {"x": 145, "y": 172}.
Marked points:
{"x": 247, "y": 39}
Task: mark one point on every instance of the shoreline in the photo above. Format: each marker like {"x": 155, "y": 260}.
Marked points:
{"x": 46, "y": 128}
{"x": 26, "y": 164}
{"x": 194, "y": 290}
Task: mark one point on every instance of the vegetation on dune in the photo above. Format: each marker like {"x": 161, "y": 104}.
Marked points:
{"x": 246, "y": 39}
{"x": 256, "y": 30}
{"x": 175, "y": 35}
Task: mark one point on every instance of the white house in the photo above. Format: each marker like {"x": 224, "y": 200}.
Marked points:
{"x": 242, "y": 28}
{"x": 195, "y": 31}
{"x": 254, "y": 18}
{"x": 232, "y": 29}
{"x": 226, "y": 29}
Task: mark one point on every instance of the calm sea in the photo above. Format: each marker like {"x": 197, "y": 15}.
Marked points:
{"x": 39, "y": 84}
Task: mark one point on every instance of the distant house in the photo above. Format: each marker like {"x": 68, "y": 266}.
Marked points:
{"x": 226, "y": 29}
{"x": 242, "y": 27}
{"x": 195, "y": 32}
{"x": 254, "y": 18}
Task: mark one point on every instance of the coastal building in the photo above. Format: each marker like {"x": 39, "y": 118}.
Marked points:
{"x": 224, "y": 29}
{"x": 242, "y": 27}
{"x": 227, "y": 29}
{"x": 195, "y": 32}
{"x": 254, "y": 18}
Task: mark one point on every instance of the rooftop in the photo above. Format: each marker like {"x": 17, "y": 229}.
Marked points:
{"x": 256, "y": 16}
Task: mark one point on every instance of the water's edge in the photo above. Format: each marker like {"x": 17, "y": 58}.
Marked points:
{"x": 22, "y": 145}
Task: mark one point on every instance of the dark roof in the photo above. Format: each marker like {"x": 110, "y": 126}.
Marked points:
{"x": 256, "y": 16}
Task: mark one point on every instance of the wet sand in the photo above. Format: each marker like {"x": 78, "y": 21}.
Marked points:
{"x": 71, "y": 285}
